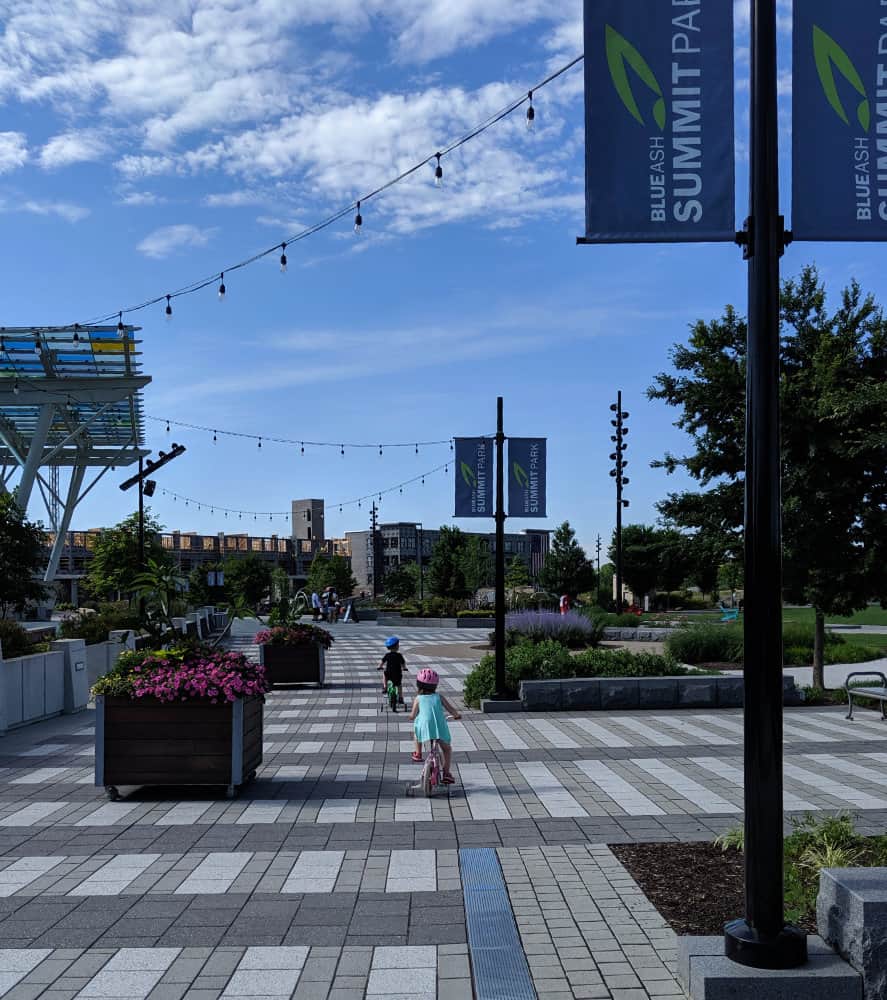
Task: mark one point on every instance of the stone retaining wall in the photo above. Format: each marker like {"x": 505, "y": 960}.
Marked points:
{"x": 638, "y": 634}
{"x": 593, "y": 693}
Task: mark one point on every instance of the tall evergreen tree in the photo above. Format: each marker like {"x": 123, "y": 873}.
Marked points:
{"x": 446, "y": 576}
{"x": 567, "y": 569}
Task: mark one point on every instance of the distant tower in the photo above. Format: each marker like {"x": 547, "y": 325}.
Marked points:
{"x": 308, "y": 520}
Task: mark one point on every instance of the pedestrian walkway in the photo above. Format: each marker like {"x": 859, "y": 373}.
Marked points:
{"x": 323, "y": 880}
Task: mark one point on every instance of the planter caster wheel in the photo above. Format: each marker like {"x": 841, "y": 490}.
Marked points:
{"x": 251, "y": 777}
{"x": 231, "y": 792}
{"x": 113, "y": 793}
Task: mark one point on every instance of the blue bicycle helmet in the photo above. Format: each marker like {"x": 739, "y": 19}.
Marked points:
{"x": 391, "y": 642}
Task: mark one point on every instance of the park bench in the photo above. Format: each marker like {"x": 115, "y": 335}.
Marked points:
{"x": 877, "y": 693}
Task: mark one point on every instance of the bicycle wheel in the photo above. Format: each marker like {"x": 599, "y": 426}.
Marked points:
{"x": 392, "y": 697}
{"x": 428, "y": 781}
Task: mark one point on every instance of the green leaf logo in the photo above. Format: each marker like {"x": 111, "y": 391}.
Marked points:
{"x": 520, "y": 474}
{"x": 469, "y": 476}
{"x": 620, "y": 52}
{"x": 830, "y": 56}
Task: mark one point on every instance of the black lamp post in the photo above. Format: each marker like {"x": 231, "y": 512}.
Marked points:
{"x": 616, "y": 472}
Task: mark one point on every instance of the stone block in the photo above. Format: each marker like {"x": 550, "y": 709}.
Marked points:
{"x": 540, "y": 696}
{"x": 644, "y": 635}
{"x": 790, "y": 693}
{"x": 730, "y": 692}
{"x": 657, "y": 692}
{"x": 491, "y": 707}
{"x": 581, "y": 693}
{"x": 707, "y": 974}
{"x": 619, "y": 692}
{"x": 697, "y": 692}
{"x": 851, "y": 915}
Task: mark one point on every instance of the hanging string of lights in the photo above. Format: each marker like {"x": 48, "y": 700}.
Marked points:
{"x": 341, "y": 504}
{"x": 298, "y": 442}
{"x": 218, "y": 277}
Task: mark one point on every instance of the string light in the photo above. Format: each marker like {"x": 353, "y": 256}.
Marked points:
{"x": 317, "y": 227}
{"x": 303, "y": 447}
{"x": 168, "y": 308}
{"x": 222, "y": 287}
{"x": 15, "y": 387}
{"x": 342, "y": 448}
{"x": 380, "y": 450}
{"x": 214, "y": 437}
{"x": 260, "y": 442}
{"x": 358, "y": 221}
{"x": 438, "y": 172}
{"x": 283, "y": 258}
{"x": 120, "y": 328}
{"x": 76, "y": 334}
{"x": 167, "y": 427}
{"x": 531, "y": 113}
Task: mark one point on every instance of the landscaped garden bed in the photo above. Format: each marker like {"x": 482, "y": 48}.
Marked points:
{"x": 698, "y": 887}
{"x": 179, "y": 717}
{"x": 294, "y": 654}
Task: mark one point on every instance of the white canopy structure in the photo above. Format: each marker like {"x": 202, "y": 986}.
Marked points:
{"x": 70, "y": 399}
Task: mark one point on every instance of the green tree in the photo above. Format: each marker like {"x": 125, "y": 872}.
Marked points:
{"x": 567, "y": 569}
{"x": 332, "y": 572}
{"x": 159, "y": 584}
{"x": 605, "y": 584}
{"x": 22, "y": 557}
{"x": 516, "y": 573}
{"x": 401, "y": 584}
{"x": 834, "y": 443}
{"x": 115, "y": 559}
{"x": 641, "y": 552}
{"x": 476, "y": 563}
{"x": 445, "y": 576}
{"x": 199, "y": 590}
{"x": 247, "y": 578}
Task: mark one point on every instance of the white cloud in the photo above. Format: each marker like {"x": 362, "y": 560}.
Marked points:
{"x": 233, "y": 199}
{"x": 63, "y": 209}
{"x": 138, "y": 198}
{"x": 167, "y": 239}
{"x": 13, "y": 151}
{"x": 73, "y": 147}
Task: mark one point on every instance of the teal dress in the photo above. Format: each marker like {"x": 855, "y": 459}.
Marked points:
{"x": 431, "y": 722}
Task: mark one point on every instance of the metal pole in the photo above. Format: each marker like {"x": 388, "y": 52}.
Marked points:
{"x": 375, "y": 552}
{"x": 598, "y": 550}
{"x": 618, "y": 503}
{"x": 500, "y": 552}
{"x": 421, "y": 566}
{"x": 141, "y": 529}
{"x": 762, "y": 939}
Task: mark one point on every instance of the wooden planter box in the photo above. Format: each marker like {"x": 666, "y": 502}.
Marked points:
{"x": 293, "y": 664}
{"x": 148, "y": 742}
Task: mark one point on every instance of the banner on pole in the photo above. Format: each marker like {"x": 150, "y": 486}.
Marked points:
{"x": 474, "y": 466}
{"x": 839, "y": 120}
{"x": 659, "y": 146}
{"x": 526, "y": 477}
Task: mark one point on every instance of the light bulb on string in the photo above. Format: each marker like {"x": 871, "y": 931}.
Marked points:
{"x": 168, "y": 309}
{"x": 358, "y": 221}
{"x": 340, "y": 508}
{"x": 283, "y": 258}
{"x": 423, "y": 480}
{"x": 76, "y": 337}
{"x": 531, "y": 114}
{"x": 121, "y": 330}
{"x": 214, "y": 437}
{"x": 417, "y": 448}
{"x": 451, "y": 445}
{"x": 167, "y": 427}
{"x": 222, "y": 288}
{"x": 380, "y": 451}
{"x": 303, "y": 447}
{"x": 260, "y": 442}
{"x": 438, "y": 172}
{"x": 15, "y": 387}
{"x": 342, "y": 449}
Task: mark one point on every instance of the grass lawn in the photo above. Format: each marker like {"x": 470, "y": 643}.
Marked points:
{"x": 868, "y": 640}
{"x": 873, "y": 615}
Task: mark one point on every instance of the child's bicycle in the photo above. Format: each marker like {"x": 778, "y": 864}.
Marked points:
{"x": 389, "y": 697}
{"x": 432, "y": 772}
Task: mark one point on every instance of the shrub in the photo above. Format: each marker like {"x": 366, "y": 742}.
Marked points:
{"x": 190, "y": 674}
{"x": 94, "y": 626}
{"x": 14, "y": 639}
{"x": 706, "y": 644}
{"x": 477, "y": 613}
{"x": 298, "y": 635}
{"x": 550, "y": 660}
{"x": 624, "y": 663}
{"x": 572, "y": 629}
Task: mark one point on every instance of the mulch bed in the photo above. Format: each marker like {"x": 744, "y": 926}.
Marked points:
{"x": 697, "y": 887}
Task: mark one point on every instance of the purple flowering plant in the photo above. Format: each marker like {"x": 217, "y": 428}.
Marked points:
{"x": 294, "y": 635}
{"x": 195, "y": 674}
{"x": 572, "y": 629}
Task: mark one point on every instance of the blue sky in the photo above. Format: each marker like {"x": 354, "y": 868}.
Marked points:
{"x": 146, "y": 144}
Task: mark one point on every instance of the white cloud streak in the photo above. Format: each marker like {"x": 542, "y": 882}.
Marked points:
{"x": 167, "y": 239}
{"x": 13, "y": 151}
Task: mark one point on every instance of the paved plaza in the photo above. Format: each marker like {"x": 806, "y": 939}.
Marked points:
{"x": 324, "y": 881}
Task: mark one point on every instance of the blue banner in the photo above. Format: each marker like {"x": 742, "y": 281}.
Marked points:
{"x": 839, "y": 120}
{"x": 474, "y": 477}
{"x": 659, "y": 160}
{"x": 526, "y": 477}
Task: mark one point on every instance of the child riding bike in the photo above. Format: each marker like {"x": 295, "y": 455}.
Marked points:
{"x": 393, "y": 665}
{"x": 430, "y": 722}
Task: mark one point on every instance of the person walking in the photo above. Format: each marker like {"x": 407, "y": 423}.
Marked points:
{"x": 315, "y": 605}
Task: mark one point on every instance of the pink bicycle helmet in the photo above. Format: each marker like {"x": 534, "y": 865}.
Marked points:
{"x": 428, "y": 676}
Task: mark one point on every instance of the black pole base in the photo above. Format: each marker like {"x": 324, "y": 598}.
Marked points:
{"x": 743, "y": 944}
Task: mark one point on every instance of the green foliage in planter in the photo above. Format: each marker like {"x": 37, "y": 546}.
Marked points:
{"x": 817, "y": 842}
{"x": 13, "y": 639}
{"x": 94, "y": 626}
{"x": 477, "y": 613}
{"x": 550, "y": 660}
{"x": 706, "y": 644}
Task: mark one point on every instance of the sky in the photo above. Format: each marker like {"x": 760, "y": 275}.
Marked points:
{"x": 145, "y": 144}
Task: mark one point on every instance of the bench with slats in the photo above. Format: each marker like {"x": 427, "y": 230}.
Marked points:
{"x": 877, "y": 693}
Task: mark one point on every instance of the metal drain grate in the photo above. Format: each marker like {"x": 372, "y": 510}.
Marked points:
{"x": 497, "y": 958}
